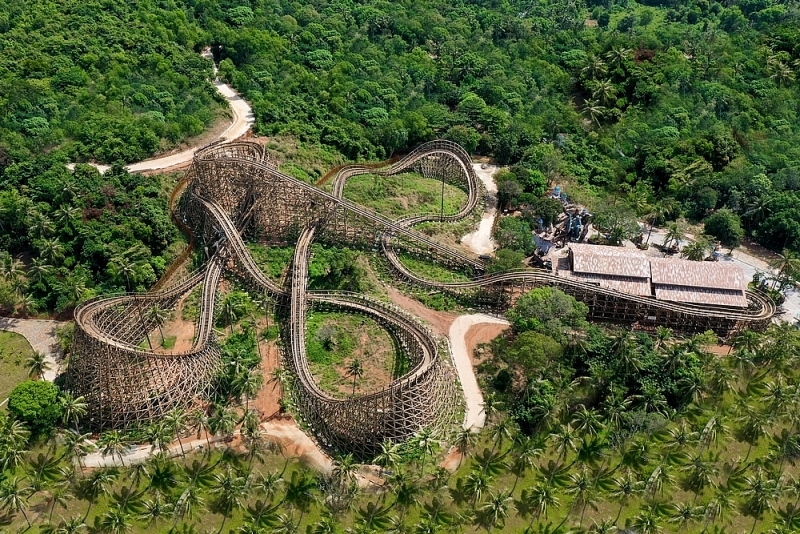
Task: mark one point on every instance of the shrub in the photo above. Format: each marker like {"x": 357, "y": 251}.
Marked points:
{"x": 36, "y": 404}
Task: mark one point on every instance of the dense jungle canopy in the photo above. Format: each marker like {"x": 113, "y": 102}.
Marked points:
{"x": 692, "y": 105}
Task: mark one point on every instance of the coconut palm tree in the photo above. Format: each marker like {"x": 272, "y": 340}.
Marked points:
{"x": 229, "y": 490}
{"x": 76, "y": 445}
{"x": 389, "y": 457}
{"x": 494, "y": 511}
{"x": 787, "y": 266}
{"x": 675, "y": 234}
{"x": 13, "y": 497}
{"x": 177, "y": 421}
{"x": 697, "y": 250}
{"x": 356, "y": 370}
{"x": 112, "y": 443}
{"x": 760, "y": 495}
{"x": 96, "y": 484}
{"x": 115, "y": 521}
{"x": 537, "y": 501}
{"x": 37, "y": 364}
{"x": 594, "y": 110}
{"x": 524, "y": 451}
{"x": 249, "y": 383}
{"x": 465, "y": 439}
{"x": 300, "y": 492}
{"x": 159, "y": 316}
{"x": 72, "y": 408}
{"x": 406, "y": 492}
{"x": 425, "y": 442}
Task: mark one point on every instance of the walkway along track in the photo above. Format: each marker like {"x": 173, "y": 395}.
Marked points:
{"x": 231, "y": 190}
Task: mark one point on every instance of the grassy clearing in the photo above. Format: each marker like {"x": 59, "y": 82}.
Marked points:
{"x": 403, "y": 194}
{"x": 301, "y": 160}
{"x": 334, "y": 340}
{"x": 430, "y": 270}
{"x": 272, "y": 261}
{"x": 14, "y": 350}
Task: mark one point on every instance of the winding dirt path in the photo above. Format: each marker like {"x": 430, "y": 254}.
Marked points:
{"x": 474, "y": 418}
{"x": 243, "y": 119}
{"x": 480, "y": 241}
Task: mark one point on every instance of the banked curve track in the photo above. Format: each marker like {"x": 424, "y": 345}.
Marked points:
{"x": 231, "y": 190}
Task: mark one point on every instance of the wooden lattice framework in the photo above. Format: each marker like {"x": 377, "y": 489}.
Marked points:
{"x": 232, "y": 189}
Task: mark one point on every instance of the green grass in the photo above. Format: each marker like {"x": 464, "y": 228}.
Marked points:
{"x": 430, "y": 270}
{"x": 191, "y": 304}
{"x": 273, "y": 261}
{"x": 351, "y": 336}
{"x": 403, "y": 194}
{"x": 169, "y": 342}
{"x": 14, "y": 350}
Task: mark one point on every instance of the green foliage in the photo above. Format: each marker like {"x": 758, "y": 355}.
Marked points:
{"x": 505, "y": 260}
{"x": 514, "y": 233}
{"x": 549, "y": 311}
{"x": 726, "y": 227}
{"x": 35, "y": 403}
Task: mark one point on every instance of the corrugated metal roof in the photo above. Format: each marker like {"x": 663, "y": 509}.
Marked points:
{"x": 699, "y": 274}
{"x": 702, "y": 295}
{"x": 613, "y": 261}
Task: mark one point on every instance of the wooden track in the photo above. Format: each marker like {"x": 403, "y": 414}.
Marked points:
{"x": 231, "y": 190}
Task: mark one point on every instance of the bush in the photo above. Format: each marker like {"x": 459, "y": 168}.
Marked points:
{"x": 36, "y": 404}
{"x": 548, "y": 311}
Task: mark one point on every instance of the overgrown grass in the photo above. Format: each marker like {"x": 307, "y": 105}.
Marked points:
{"x": 430, "y": 270}
{"x": 333, "y": 340}
{"x": 14, "y": 350}
{"x": 403, "y": 194}
{"x": 273, "y": 261}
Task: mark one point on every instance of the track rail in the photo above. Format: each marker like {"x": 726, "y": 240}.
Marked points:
{"x": 231, "y": 188}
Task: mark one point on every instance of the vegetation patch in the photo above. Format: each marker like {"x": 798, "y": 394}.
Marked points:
{"x": 14, "y": 352}
{"x": 407, "y": 193}
{"x": 351, "y": 353}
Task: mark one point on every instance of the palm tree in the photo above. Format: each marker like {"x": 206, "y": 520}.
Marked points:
{"x": 495, "y": 511}
{"x": 646, "y": 522}
{"x": 97, "y": 484}
{"x": 76, "y": 445}
{"x": 787, "y": 266}
{"x": 406, "y": 492}
{"x": 760, "y": 494}
{"x": 477, "y": 482}
{"x": 465, "y": 439}
{"x": 696, "y": 250}
{"x": 39, "y": 270}
{"x": 158, "y": 315}
{"x": 594, "y": 110}
{"x": 605, "y": 91}
{"x": 537, "y": 501}
{"x": 675, "y": 234}
{"x": 624, "y": 489}
{"x": 153, "y": 511}
{"x": 37, "y": 364}
{"x": 355, "y": 370}
{"x": 223, "y": 421}
{"x": 230, "y": 489}
{"x": 74, "y": 525}
{"x": 111, "y": 442}
{"x": 584, "y": 490}
{"x": 425, "y": 442}
{"x": 701, "y": 474}
{"x": 13, "y": 497}
{"x": 373, "y": 517}
{"x": 72, "y": 408}
{"x": 754, "y": 426}
{"x": 115, "y": 521}
{"x": 389, "y": 457}
{"x": 717, "y": 507}
{"x": 501, "y": 431}
{"x": 200, "y": 422}
{"x": 249, "y": 383}
{"x": 524, "y": 451}
{"x": 300, "y": 492}
{"x": 176, "y": 420}
{"x": 684, "y": 513}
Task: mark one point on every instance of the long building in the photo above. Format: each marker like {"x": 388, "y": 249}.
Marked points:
{"x": 634, "y": 272}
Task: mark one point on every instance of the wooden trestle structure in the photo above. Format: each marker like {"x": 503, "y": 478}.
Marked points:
{"x": 233, "y": 189}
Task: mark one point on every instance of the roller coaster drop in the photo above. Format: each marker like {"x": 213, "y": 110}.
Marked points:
{"x": 233, "y": 189}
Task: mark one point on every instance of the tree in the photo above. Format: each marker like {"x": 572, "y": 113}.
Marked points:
{"x": 115, "y": 521}
{"x": 36, "y": 404}
{"x": 537, "y": 501}
{"x": 675, "y": 234}
{"x": 494, "y": 511}
{"x": 725, "y": 226}
{"x": 506, "y": 260}
{"x": 177, "y": 420}
{"x": 548, "y": 311}
{"x": 229, "y": 490}
{"x": 355, "y": 370}
{"x": 760, "y": 494}
{"x": 157, "y": 315}
{"x": 697, "y": 250}
{"x": 13, "y": 498}
{"x": 112, "y": 443}
{"x": 72, "y": 408}
{"x": 37, "y": 365}
{"x": 514, "y": 233}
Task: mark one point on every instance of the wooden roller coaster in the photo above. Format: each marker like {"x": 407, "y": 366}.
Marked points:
{"x": 232, "y": 190}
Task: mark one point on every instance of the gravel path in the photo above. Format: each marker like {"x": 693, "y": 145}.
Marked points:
{"x": 480, "y": 241}
{"x": 474, "y": 418}
{"x": 41, "y": 334}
